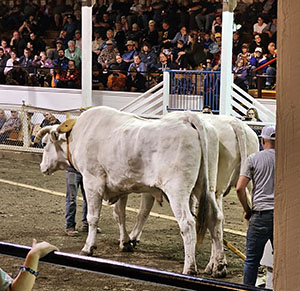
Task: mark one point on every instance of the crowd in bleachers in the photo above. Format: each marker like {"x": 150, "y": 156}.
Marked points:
{"x": 134, "y": 41}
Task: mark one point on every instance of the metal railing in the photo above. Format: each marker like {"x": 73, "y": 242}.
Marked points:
{"x": 32, "y": 118}
{"x": 191, "y": 90}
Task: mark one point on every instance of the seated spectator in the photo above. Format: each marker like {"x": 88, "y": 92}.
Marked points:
{"x": 164, "y": 63}
{"x": 3, "y": 61}
{"x": 10, "y": 62}
{"x": 148, "y": 55}
{"x": 53, "y": 52}
{"x": 73, "y": 53}
{"x": 63, "y": 38}
{"x": 244, "y": 55}
{"x": 70, "y": 78}
{"x": 193, "y": 55}
{"x": 5, "y": 47}
{"x": 135, "y": 81}
{"x": 49, "y": 119}
{"x": 135, "y": 34}
{"x": 241, "y": 75}
{"x": 97, "y": 42}
{"x": 176, "y": 53}
{"x": 25, "y": 279}
{"x": 108, "y": 55}
{"x": 251, "y": 115}
{"x": 122, "y": 66}
{"x": 257, "y": 42}
{"x": 270, "y": 31}
{"x": 17, "y": 43}
{"x": 70, "y": 27}
{"x": 206, "y": 109}
{"x": 236, "y": 44}
{"x": 217, "y": 25}
{"x": 2, "y": 117}
{"x": 17, "y": 75}
{"x": 109, "y": 37}
{"x": 181, "y": 35}
{"x": 214, "y": 52}
{"x": 151, "y": 35}
{"x": 258, "y": 59}
{"x": 12, "y": 123}
{"x": 271, "y": 69}
{"x": 152, "y": 77}
{"x": 103, "y": 24}
{"x": 78, "y": 39}
{"x": 130, "y": 53}
{"x": 26, "y": 61}
{"x": 168, "y": 33}
{"x": 61, "y": 61}
{"x": 137, "y": 15}
{"x": 55, "y": 76}
{"x": 119, "y": 37}
{"x": 116, "y": 81}
{"x": 206, "y": 42}
{"x": 139, "y": 65}
{"x": 98, "y": 79}
{"x": 38, "y": 44}
{"x": 259, "y": 26}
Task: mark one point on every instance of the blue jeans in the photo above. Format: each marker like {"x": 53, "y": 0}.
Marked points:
{"x": 73, "y": 182}
{"x": 272, "y": 72}
{"x": 260, "y": 230}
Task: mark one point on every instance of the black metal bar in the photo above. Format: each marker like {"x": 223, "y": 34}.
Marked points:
{"x": 124, "y": 270}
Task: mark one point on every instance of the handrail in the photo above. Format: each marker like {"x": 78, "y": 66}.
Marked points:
{"x": 265, "y": 64}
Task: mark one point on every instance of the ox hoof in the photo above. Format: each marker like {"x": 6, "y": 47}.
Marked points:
{"x": 220, "y": 272}
{"x": 127, "y": 247}
{"x": 135, "y": 243}
{"x": 192, "y": 273}
{"x": 90, "y": 253}
{"x": 208, "y": 269}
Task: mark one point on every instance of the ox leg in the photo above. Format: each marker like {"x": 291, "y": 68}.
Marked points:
{"x": 217, "y": 264}
{"x": 120, "y": 217}
{"x": 146, "y": 205}
{"x": 94, "y": 187}
{"x": 187, "y": 225}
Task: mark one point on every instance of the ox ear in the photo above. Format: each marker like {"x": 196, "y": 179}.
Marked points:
{"x": 66, "y": 126}
{"x": 54, "y": 136}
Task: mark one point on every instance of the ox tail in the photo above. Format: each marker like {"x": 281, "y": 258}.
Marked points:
{"x": 241, "y": 137}
{"x": 201, "y": 189}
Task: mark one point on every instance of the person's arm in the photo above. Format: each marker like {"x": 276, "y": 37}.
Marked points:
{"x": 25, "y": 280}
{"x": 241, "y": 193}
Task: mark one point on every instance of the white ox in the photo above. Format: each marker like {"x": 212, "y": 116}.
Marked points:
{"x": 236, "y": 141}
{"x": 119, "y": 153}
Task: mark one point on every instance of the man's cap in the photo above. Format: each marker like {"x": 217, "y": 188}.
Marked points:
{"x": 77, "y": 31}
{"x": 151, "y": 22}
{"x": 133, "y": 69}
{"x": 258, "y": 49}
{"x": 109, "y": 42}
{"x": 218, "y": 34}
{"x": 129, "y": 42}
{"x": 69, "y": 16}
{"x": 59, "y": 41}
{"x": 268, "y": 132}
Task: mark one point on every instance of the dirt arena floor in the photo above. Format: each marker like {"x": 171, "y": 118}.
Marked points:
{"x": 27, "y": 214}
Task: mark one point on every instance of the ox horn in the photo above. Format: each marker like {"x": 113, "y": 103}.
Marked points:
{"x": 66, "y": 126}
{"x": 41, "y": 133}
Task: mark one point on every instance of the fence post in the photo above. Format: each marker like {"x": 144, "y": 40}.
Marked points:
{"x": 26, "y": 124}
{"x": 166, "y": 91}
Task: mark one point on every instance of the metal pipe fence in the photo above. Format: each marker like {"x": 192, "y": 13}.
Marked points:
{"x": 129, "y": 271}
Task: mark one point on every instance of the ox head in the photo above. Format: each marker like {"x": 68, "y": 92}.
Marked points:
{"x": 55, "y": 147}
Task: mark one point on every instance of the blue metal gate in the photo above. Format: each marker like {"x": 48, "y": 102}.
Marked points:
{"x": 191, "y": 90}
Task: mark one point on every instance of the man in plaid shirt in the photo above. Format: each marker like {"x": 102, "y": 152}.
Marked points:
{"x": 71, "y": 78}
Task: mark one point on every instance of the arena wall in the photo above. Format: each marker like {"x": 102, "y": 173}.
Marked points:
{"x": 287, "y": 198}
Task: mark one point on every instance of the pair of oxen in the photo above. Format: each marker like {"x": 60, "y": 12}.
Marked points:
{"x": 189, "y": 158}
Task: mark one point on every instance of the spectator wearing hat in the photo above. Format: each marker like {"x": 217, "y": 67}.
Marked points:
{"x": 130, "y": 53}
{"x": 151, "y": 34}
{"x": 70, "y": 78}
{"x": 108, "y": 55}
{"x": 135, "y": 81}
{"x": 214, "y": 52}
{"x": 260, "y": 169}
{"x": 63, "y": 38}
{"x": 17, "y": 75}
{"x": 258, "y": 59}
{"x": 70, "y": 27}
{"x": 73, "y": 53}
{"x": 77, "y": 39}
{"x": 116, "y": 81}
